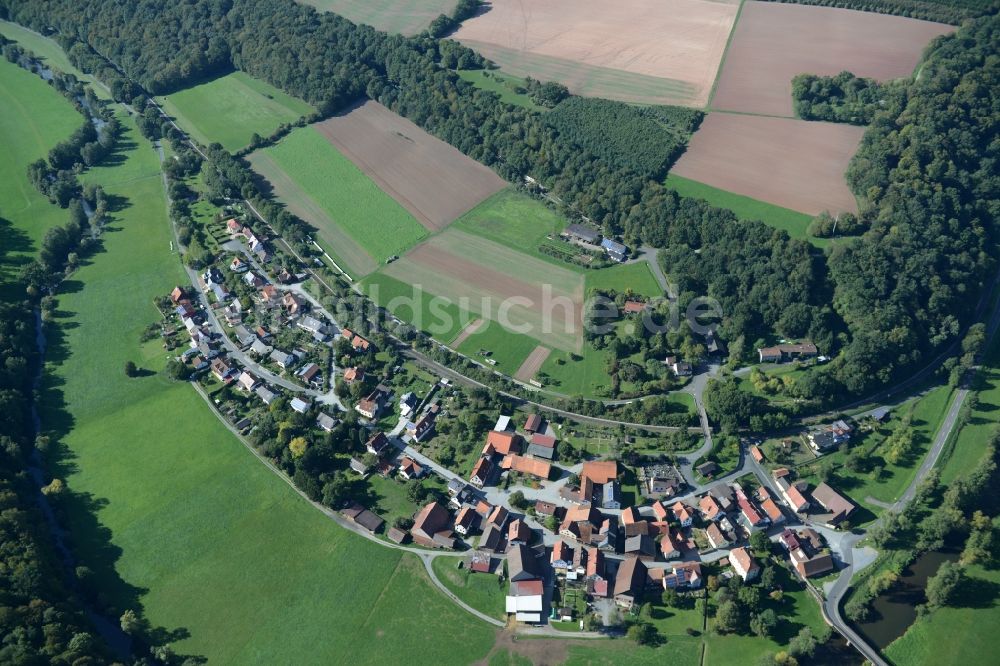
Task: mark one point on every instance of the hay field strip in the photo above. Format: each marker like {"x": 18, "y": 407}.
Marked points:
{"x": 232, "y": 108}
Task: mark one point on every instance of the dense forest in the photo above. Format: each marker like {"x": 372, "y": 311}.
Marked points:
{"x": 902, "y": 291}
{"x": 844, "y": 98}
{"x": 645, "y": 139}
{"x": 942, "y": 11}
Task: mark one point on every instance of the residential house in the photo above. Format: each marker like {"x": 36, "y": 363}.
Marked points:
{"x": 359, "y": 343}
{"x": 683, "y": 575}
{"x": 222, "y": 370}
{"x": 253, "y": 280}
{"x": 326, "y": 422}
{"x": 282, "y": 359}
{"x": 633, "y": 307}
{"x": 715, "y": 536}
{"x": 744, "y": 564}
{"x": 247, "y": 381}
{"x": 258, "y": 348}
{"x": 177, "y": 295}
{"x": 465, "y": 521}
{"x": 244, "y": 337}
{"x": 787, "y": 352}
{"x": 669, "y": 546}
{"x": 480, "y": 561}
{"x": 318, "y": 329}
{"x": 683, "y": 514}
{"x": 791, "y": 494}
{"x": 769, "y": 506}
{"x": 756, "y": 454}
{"x": 377, "y": 443}
{"x": 707, "y": 469}
{"x": 371, "y": 406}
{"x": 562, "y": 556}
{"x": 396, "y": 535}
{"x": 709, "y": 507}
{"x": 660, "y": 510}
{"x": 430, "y": 527}
{"x": 455, "y": 487}
{"x": 749, "y": 516}
{"x": 837, "y": 506}
{"x": 309, "y": 373}
{"x": 835, "y": 434}
{"x": 410, "y": 468}
{"x": 630, "y": 516}
{"x": 614, "y": 249}
{"x": 358, "y": 466}
{"x": 498, "y": 516}
{"x": 492, "y": 538}
{"x": 518, "y": 533}
{"x": 678, "y": 367}
{"x": 423, "y": 426}
{"x": 723, "y": 495}
{"x": 265, "y": 394}
{"x": 611, "y": 495}
{"x": 233, "y": 226}
{"x": 237, "y": 265}
{"x": 481, "y": 472}
{"x": 537, "y": 468}
{"x": 299, "y": 405}
{"x": 352, "y": 375}
{"x": 595, "y": 563}
{"x": 640, "y": 546}
{"x": 595, "y": 474}
{"x": 630, "y": 582}
{"x": 522, "y": 564}
{"x": 407, "y": 402}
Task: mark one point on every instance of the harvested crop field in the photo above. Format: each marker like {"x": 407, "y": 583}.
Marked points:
{"x": 428, "y": 177}
{"x": 521, "y": 293}
{"x": 407, "y": 17}
{"x": 471, "y": 328}
{"x": 774, "y": 41}
{"x": 532, "y": 364}
{"x": 583, "y": 43}
{"x": 791, "y": 163}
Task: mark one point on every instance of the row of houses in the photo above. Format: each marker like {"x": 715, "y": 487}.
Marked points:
{"x": 824, "y": 504}
{"x": 506, "y": 449}
{"x": 582, "y": 233}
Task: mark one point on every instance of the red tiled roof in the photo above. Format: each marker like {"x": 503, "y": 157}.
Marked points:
{"x": 532, "y": 466}
{"x": 502, "y": 442}
{"x": 547, "y": 441}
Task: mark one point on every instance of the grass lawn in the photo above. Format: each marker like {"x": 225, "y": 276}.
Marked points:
{"x": 518, "y": 221}
{"x": 484, "y": 592}
{"x": 35, "y": 118}
{"x": 585, "y": 374}
{"x": 50, "y": 53}
{"x": 176, "y": 517}
{"x": 968, "y": 447}
{"x": 231, "y": 109}
{"x": 928, "y": 411}
{"x": 502, "y": 84}
{"x": 970, "y": 626}
{"x": 408, "y": 18}
{"x": 678, "y": 651}
{"x": 635, "y": 278}
{"x": 794, "y": 222}
{"x": 350, "y": 199}
{"x": 436, "y": 316}
{"x": 509, "y": 350}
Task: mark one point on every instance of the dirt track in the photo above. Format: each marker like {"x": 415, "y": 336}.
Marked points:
{"x": 787, "y": 162}
{"x": 681, "y": 40}
{"x": 470, "y": 328}
{"x": 532, "y": 364}
{"x": 773, "y": 42}
{"x": 428, "y": 177}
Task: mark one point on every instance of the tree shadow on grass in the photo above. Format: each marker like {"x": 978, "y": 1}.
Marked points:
{"x": 974, "y": 592}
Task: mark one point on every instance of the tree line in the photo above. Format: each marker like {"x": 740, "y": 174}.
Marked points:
{"x": 943, "y": 11}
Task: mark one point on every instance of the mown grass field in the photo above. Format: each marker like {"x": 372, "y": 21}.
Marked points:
{"x": 624, "y": 278}
{"x": 407, "y": 17}
{"x": 35, "y": 118}
{"x": 484, "y": 592}
{"x": 350, "y": 200}
{"x": 502, "y": 84}
{"x": 508, "y": 349}
{"x": 50, "y": 53}
{"x": 438, "y": 317}
{"x": 969, "y": 445}
{"x": 231, "y": 109}
{"x": 794, "y": 222}
{"x": 174, "y": 515}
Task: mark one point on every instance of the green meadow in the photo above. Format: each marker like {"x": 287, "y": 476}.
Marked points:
{"x": 504, "y": 85}
{"x": 350, "y": 200}
{"x": 408, "y": 17}
{"x": 636, "y": 278}
{"x": 438, "y": 317}
{"x": 485, "y": 592}
{"x": 231, "y": 109}
{"x": 508, "y": 349}
{"x": 35, "y": 118}
{"x": 176, "y": 517}
{"x": 794, "y": 222}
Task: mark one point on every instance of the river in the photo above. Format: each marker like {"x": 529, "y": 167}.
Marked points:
{"x": 895, "y": 609}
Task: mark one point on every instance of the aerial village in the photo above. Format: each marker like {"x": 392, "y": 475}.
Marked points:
{"x": 551, "y": 531}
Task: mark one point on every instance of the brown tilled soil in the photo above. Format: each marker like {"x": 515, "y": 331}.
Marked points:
{"x": 532, "y": 364}
{"x": 774, "y": 41}
{"x": 783, "y": 161}
{"x": 539, "y": 651}
{"x": 681, "y": 40}
{"x": 431, "y": 179}
{"x": 470, "y": 328}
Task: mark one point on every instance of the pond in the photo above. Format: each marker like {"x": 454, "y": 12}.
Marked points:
{"x": 895, "y": 609}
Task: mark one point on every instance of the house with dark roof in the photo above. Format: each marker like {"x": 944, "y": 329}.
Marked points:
{"x": 480, "y": 561}
{"x": 522, "y": 563}
{"x": 492, "y": 538}
{"x": 615, "y": 250}
{"x": 630, "y": 582}
{"x": 481, "y": 472}
{"x": 377, "y": 443}
{"x": 582, "y": 233}
{"x": 363, "y": 517}
{"x": 641, "y": 546}
{"x": 787, "y": 352}
{"x": 432, "y": 521}
{"x": 532, "y": 424}
{"x": 837, "y": 507}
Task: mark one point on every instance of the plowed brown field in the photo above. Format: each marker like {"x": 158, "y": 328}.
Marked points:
{"x": 428, "y": 177}
{"x": 774, "y": 41}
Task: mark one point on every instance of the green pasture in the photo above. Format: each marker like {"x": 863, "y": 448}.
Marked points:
{"x": 485, "y": 592}
{"x": 231, "y": 109}
{"x": 508, "y": 349}
{"x": 440, "y": 318}
{"x": 504, "y": 85}
{"x": 969, "y": 445}
{"x": 35, "y": 118}
{"x": 793, "y": 222}
{"x": 175, "y": 517}
{"x": 515, "y": 220}
{"x": 634, "y": 278}
{"x": 351, "y": 202}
